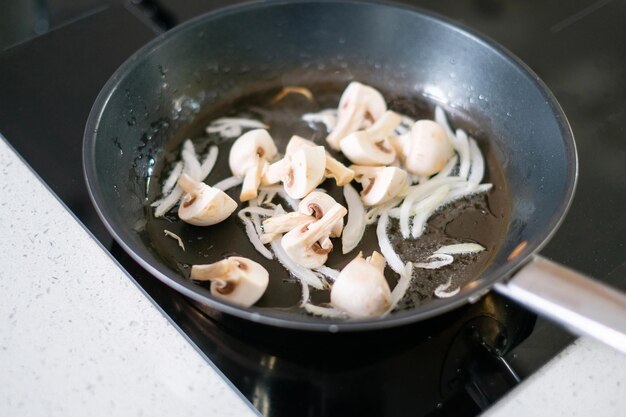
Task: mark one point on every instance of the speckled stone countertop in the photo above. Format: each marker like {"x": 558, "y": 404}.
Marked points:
{"x": 77, "y": 337}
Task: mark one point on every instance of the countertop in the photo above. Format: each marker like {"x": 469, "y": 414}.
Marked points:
{"x": 77, "y": 337}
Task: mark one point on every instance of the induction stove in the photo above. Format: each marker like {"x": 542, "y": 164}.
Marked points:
{"x": 457, "y": 364}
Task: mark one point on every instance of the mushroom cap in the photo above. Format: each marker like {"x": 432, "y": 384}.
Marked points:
{"x": 302, "y": 244}
{"x": 359, "y": 104}
{"x": 236, "y": 279}
{"x": 361, "y": 290}
{"x": 334, "y": 168}
{"x": 363, "y": 148}
{"x": 296, "y": 143}
{"x": 245, "y": 150}
{"x": 203, "y": 205}
{"x": 317, "y": 204}
{"x": 357, "y": 92}
{"x": 380, "y": 184}
{"x": 306, "y": 171}
{"x": 426, "y": 149}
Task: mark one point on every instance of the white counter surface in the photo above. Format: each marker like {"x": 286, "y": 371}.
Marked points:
{"x": 79, "y": 338}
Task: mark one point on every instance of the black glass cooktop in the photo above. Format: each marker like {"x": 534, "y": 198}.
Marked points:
{"x": 59, "y": 54}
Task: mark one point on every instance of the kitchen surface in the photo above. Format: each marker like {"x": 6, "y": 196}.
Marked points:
{"x": 84, "y": 330}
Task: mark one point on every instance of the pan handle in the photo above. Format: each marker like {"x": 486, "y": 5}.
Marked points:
{"x": 581, "y": 304}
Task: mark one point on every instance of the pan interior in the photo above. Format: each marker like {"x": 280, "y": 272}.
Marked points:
{"x": 167, "y": 87}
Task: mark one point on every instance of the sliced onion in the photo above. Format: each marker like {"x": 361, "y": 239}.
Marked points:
{"x": 232, "y": 127}
{"x": 175, "y": 237}
{"x": 442, "y": 119}
{"x": 372, "y": 214}
{"x": 190, "y": 159}
{"x": 463, "y": 149}
{"x": 461, "y": 249}
{"x": 305, "y": 275}
{"x": 306, "y": 293}
{"x": 355, "y": 226}
{"x": 328, "y": 272}
{"x": 406, "y": 275}
{"x": 439, "y": 260}
{"x": 209, "y": 162}
{"x": 165, "y": 204}
{"x": 392, "y": 258}
{"x": 293, "y": 203}
{"x": 258, "y": 210}
{"x": 478, "y": 164}
{"x": 253, "y": 235}
{"x": 172, "y": 179}
{"x": 417, "y": 193}
{"x": 463, "y": 192}
{"x": 426, "y": 208}
{"x": 441, "y": 292}
{"x": 228, "y": 183}
{"x": 330, "y": 312}
{"x": 327, "y": 116}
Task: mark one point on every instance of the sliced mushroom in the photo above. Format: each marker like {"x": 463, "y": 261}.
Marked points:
{"x": 334, "y": 169}
{"x": 361, "y": 289}
{"x": 300, "y": 171}
{"x": 317, "y": 204}
{"x": 248, "y": 160}
{"x": 370, "y": 146}
{"x": 302, "y": 244}
{"x": 236, "y": 279}
{"x": 358, "y": 105}
{"x": 311, "y": 208}
{"x": 426, "y": 148}
{"x": 380, "y": 184}
{"x": 203, "y": 205}
{"x": 283, "y": 223}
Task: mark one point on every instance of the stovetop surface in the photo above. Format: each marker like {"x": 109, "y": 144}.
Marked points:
{"x": 456, "y": 364}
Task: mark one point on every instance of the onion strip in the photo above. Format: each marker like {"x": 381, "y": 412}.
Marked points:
{"x": 439, "y": 261}
{"x": 231, "y": 127}
{"x": 172, "y": 179}
{"x": 330, "y": 312}
{"x": 328, "y": 272}
{"x": 463, "y": 149}
{"x": 228, "y": 183}
{"x": 478, "y": 164}
{"x": 463, "y": 192}
{"x": 393, "y": 259}
{"x": 461, "y": 249}
{"x": 305, "y": 275}
{"x": 398, "y": 292}
{"x": 175, "y": 237}
{"x": 447, "y": 170}
{"x": 190, "y": 159}
{"x": 355, "y": 226}
{"x": 416, "y": 193}
{"x": 253, "y": 235}
{"x": 441, "y": 292}
{"x": 426, "y": 208}
{"x": 209, "y": 162}
{"x": 327, "y": 116}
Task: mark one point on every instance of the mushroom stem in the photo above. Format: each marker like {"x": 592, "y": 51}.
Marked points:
{"x": 378, "y": 261}
{"x": 222, "y": 269}
{"x": 252, "y": 180}
{"x": 321, "y": 228}
{"x": 276, "y": 171}
{"x": 189, "y": 185}
{"x": 286, "y": 222}
{"x": 335, "y": 169}
{"x": 385, "y": 125}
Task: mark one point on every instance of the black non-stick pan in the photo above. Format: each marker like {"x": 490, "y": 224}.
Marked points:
{"x": 214, "y": 59}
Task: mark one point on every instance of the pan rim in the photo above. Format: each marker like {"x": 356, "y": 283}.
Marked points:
{"x": 304, "y": 322}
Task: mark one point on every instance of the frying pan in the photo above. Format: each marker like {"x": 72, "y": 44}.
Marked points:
{"x": 223, "y": 55}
